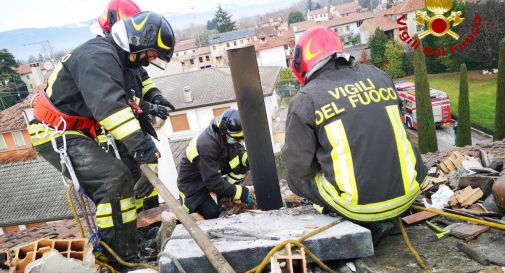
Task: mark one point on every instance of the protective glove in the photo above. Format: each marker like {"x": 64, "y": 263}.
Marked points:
{"x": 142, "y": 187}
{"x": 148, "y": 156}
{"x": 154, "y": 109}
{"x": 159, "y": 99}
{"x": 246, "y": 196}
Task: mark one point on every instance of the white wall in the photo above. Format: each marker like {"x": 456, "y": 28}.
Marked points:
{"x": 166, "y": 164}
{"x": 275, "y": 56}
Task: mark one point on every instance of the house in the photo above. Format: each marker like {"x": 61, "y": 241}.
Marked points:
{"x": 184, "y": 47}
{"x": 407, "y": 8}
{"x": 345, "y": 9}
{"x": 318, "y": 15}
{"x": 347, "y": 27}
{"x": 274, "y": 51}
{"x": 197, "y": 59}
{"x": 382, "y": 22}
{"x": 32, "y": 74}
{"x": 219, "y": 43}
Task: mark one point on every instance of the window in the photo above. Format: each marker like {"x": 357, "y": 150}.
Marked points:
{"x": 3, "y": 145}
{"x": 200, "y": 59}
{"x": 285, "y": 47}
{"x": 234, "y": 43}
{"x": 360, "y": 22}
{"x": 347, "y": 28}
{"x": 227, "y": 44}
{"x": 27, "y": 76}
{"x": 31, "y": 86}
{"x": 18, "y": 139}
{"x": 241, "y": 41}
{"x": 214, "y": 47}
{"x": 182, "y": 63}
{"x": 207, "y": 58}
{"x": 219, "y": 111}
{"x": 192, "y": 61}
{"x": 179, "y": 122}
{"x": 177, "y": 54}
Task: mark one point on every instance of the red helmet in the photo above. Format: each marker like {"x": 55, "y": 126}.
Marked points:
{"x": 115, "y": 11}
{"x": 314, "y": 45}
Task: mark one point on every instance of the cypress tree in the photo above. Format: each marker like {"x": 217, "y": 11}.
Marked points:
{"x": 499, "y": 119}
{"x": 464, "y": 131}
{"x": 427, "y": 137}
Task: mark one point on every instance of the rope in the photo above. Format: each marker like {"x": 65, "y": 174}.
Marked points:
{"x": 299, "y": 244}
{"x": 461, "y": 217}
{"x": 74, "y": 212}
{"x": 411, "y": 248}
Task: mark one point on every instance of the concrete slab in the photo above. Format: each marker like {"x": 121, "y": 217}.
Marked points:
{"x": 343, "y": 241}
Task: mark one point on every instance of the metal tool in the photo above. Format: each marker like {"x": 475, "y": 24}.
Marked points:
{"x": 440, "y": 231}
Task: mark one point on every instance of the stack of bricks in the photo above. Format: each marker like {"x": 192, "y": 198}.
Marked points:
{"x": 289, "y": 260}
{"x": 23, "y": 255}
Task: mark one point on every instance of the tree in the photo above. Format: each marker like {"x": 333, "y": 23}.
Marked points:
{"x": 377, "y": 44}
{"x": 203, "y": 38}
{"x": 394, "y": 57}
{"x": 427, "y": 138}
{"x": 295, "y": 17}
{"x": 364, "y": 57}
{"x": 408, "y": 63}
{"x": 464, "y": 136}
{"x": 223, "y": 20}
{"x": 499, "y": 119}
{"x": 7, "y": 63}
{"x": 212, "y": 24}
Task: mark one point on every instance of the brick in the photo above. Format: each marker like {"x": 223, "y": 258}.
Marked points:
{"x": 468, "y": 231}
{"x": 418, "y": 216}
{"x": 150, "y": 216}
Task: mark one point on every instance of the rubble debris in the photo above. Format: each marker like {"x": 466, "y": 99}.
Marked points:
{"x": 23, "y": 255}
{"x": 468, "y": 232}
{"x": 466, "y": 197}
{"x": 452, "y": 163}
{"x": 54, "y": 262}
{"x": 475, "y": 255}
{"x": 490, "y": 204}
{"x": 150, "y": 216}
{"x": 292, "y": 258}
{"x": 418, "y": 217}
{"x": 168, "y": 223}
{"x": 496, "y": 164}
{"x": 485, "y": 183}
{"x": 440, "y": 198}
{"x": 484, "y": 159}
{"x": 499, "y": 193}
{"x": 343, "y": 241}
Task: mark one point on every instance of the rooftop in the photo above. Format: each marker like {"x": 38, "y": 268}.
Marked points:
{"x": 382, "y": 22}
{"x": 11, "y": 119}
{"x": 232, "y": 35}
{"x": 185, "y": 45}
{"x": 303, "y": 26}
{"x": 406, "y": 7}
{"x": 318, "y": 11}
{"x": 209, "y": 86}
{"x": 273, "y": 42}
{"x": 348, "y": 7}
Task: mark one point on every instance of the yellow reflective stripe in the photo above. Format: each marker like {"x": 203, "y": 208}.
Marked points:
{"x": 234, "y": 162}
{"x": 318, "y": 208}
{"x": 154, "y": 167}
{"x": 34, "y": 129}
{"x": 238, "y": 192}
{"x": 117, "y": 118}
{"x": 183, "y": 196}
{"x": 368, "y": 216}
{"x": 127, "y": 203}
{"x": 342, "y": 161}
{"x": 239, "y": 134}
{"x": 405, "y": 152}
{"x": 191, "y": 150}
{"x": 101, "y": 139}
{"x": 104, "y": 222}
{"x": 139, "y": 203}
{"x": 244, "y": 159}
{"x": 160, "y": 41}
{"x": 147, "y": 82}
{"x": 153, "y": 193}
{"x": 129, "y": 216}
{"x": 103, "y": 209}
{"x": 136, "y": 100}
{"x": 52, "y": 78}
{"x": 147, "y": 85}
{"x": 126, "y": 129}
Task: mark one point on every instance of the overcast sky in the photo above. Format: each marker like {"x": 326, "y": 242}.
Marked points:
{"x": 16, "y": 14}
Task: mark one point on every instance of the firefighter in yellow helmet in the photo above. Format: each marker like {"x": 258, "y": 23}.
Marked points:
{"x": 346, "y": 149}
{"x": 87, "y": 91}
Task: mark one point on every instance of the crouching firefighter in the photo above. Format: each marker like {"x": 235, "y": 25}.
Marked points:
{"x": 346, "y": 149}
{"x": 215, "y": 161}
{"x": 85, "y": 92}
{"x": 144, "y": 98}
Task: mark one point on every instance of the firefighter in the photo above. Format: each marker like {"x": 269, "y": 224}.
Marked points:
{"x": 87, "y": 91}
{"x": 143, "y": 93}
{"x": 346, "y": 149}
{"x": 215, "y": 161}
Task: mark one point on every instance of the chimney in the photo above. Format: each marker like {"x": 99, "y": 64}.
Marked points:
{"x": 188, "y": 97}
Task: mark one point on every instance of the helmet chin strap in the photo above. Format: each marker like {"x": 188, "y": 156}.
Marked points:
{"x": 136, "y": 59}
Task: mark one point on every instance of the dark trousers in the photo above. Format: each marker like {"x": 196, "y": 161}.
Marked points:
{"x": 109, "y": 183}
{"x": 204, "y": 205}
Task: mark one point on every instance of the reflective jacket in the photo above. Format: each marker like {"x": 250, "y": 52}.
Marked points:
{"x": 346, "y": 148}
{"x": 90, "y": 82}
{"x": 211, "y": 165}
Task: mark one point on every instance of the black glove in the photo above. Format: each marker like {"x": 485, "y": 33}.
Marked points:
{"x": 154, "y": 109}
{"x": 142, "y": 187}
{"x": 159, "y": 99}
{"x": 148, "y": 156}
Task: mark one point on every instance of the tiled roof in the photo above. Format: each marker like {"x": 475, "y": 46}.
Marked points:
{"x": 203, "y": 50}
{"x": 273, "y": 42}
{"x": 303, "y": 26}
{"x": 23, "y": 69}
{"x": 178, "y": 148}
{"x": 382, "y": 22}
{"x": 185, "y": 45}
{"x": 348, "y": 7}
{"x": 31, "y": 192}
{"x": 406, "y": 7}
{"x": 209, "y": 86}
{"x": 318, "y": 11}
{"x": 11, "y": 119}
{"x": 232, "y": 35}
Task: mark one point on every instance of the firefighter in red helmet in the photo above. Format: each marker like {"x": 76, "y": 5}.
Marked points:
{"x": 346, "y": 149}
{"x": 87, "y": 91}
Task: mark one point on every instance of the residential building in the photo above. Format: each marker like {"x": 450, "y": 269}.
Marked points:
{"x": 32, "y": 74}
{"x": 407, "y": 8}
{"x": 345, "y": 9}
{"x": 269, "y": 21}
{"x": 184, "y": 47}
{"x": 221, "y": 42}
{"x": 198, "y": 59}
{"x": 274, "y": 51}
{"x": 347, "y": 27}
{"x": 318, "y": 15}
{"x": 13, "y": 133}
{"x": 382, "y": 22}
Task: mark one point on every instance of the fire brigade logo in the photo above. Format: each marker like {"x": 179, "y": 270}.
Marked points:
{"x": 438, "y": 25}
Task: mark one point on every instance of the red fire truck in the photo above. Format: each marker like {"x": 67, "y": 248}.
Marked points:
{"x": 439, "y": 101}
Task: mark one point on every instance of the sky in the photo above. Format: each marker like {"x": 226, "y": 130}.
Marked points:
{"x": 16, "y": 14}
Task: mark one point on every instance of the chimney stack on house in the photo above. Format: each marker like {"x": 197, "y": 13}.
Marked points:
{"x": 188, "y": 97}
